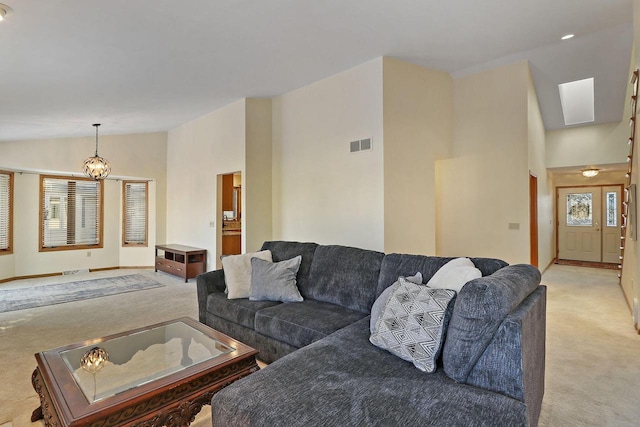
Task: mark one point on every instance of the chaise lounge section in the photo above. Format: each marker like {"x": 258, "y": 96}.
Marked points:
{"x": 324, "y": 370}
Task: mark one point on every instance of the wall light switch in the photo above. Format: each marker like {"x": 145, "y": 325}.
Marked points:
{"x": 89, "y": 253}
{"x": 514, "y": 226}
{"x": 212, "y": 224}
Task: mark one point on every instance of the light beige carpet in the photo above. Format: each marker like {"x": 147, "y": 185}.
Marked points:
{"x": 593, "y": 351}
{"x": 26, "y": 332}
{"x": 593, "y": 364}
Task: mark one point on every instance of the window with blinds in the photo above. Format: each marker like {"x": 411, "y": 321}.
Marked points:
{"x": 135, "y": 207}
{"x": 70, "y": 212}
{"x": 6, "y": 212}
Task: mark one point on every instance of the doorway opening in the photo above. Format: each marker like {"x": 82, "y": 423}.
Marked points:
{"x": 229, "y": 209}
{"x": 588, "y": 220}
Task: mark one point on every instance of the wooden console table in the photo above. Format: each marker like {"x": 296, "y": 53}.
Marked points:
{"x": 182, "y": 261}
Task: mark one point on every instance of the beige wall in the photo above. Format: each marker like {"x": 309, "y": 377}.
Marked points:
{"x": 593, "y": 145}
{"x": 197, "y": 153}
{"x": 632, "y": 248}
{"x": 485, "y": 187}
{"x": 321, "y": 191}
{"x": 257, "y": 221}
{"x": 537, "y": 167}
{"x": 418, "y": 130}
{"x": 140, "y": 156}
{"x": 577, "y": 180}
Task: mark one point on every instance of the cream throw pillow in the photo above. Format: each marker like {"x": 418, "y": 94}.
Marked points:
{"x": 237, "y": 273}
{"x": 454, "y": 274}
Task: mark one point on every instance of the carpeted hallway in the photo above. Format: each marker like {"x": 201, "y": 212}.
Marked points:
{"x": 592, "y": 347}
{"x": 593, "y": 370}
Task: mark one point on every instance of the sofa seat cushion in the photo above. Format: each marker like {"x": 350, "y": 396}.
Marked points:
{"x": 301, "y": 323}
{"x": 344, "y": 380}
{"x": 240, "y": 311}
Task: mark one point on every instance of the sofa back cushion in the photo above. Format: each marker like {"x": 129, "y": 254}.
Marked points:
{"x": 481, "y": 306}
{"x": 345, "y": 276}
{"x": 396, "y": 265}
{"x": 281, "y": 251}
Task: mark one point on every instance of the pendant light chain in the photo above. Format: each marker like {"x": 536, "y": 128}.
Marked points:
{"x": 97, "y": 125}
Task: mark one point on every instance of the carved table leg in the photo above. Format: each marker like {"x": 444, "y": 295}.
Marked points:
{"x": 37, "y": 414}
{"x": 35, "y": 381}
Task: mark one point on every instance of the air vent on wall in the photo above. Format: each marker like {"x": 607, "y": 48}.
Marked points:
{"x": 360, "y": 145}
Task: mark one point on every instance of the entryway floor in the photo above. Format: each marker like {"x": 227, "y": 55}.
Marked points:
{"x": 589, "y": 264}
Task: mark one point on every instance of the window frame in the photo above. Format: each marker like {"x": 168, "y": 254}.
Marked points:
{"x": 100, "y": 232}
{"x": 9, "y": 249}
{"x": 124, "y": 215}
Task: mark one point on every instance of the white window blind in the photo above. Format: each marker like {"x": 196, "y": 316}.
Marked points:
{"x": 135, "y": 213}
{"x": 6, "y": 181}
{"x": 71, "y": 212}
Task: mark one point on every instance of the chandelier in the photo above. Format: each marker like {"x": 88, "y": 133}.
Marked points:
{"x": 96, "y": 167}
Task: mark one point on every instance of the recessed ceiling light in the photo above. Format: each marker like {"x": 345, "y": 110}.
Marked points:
{"x": 567, "y": 36}
{"x": 4, "y": 11}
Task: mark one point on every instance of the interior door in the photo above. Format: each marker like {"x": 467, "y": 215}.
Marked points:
{"x": 579, "y": 223}
{"x": 611, "y": 217}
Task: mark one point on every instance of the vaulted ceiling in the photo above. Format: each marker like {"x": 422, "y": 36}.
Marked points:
{"x": 152, "y": 65}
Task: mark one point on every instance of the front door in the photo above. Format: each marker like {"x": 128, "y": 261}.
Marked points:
{"x": 589, "y": 224}
{"x": 611, "y": 206}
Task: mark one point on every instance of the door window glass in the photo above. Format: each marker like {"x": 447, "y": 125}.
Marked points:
{"x": 580, "y": 209}
{"x": 612, "y": 209}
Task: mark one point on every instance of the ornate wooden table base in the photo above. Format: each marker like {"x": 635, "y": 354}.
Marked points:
{"x": 175, "y": 408}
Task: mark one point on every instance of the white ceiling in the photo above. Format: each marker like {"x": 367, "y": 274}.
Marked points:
{"x": 152, "y": 65}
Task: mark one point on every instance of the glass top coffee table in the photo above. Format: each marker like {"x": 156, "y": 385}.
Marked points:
{"x": 157, "y": 375}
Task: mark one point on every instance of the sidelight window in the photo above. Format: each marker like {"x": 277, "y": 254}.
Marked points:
{"x": 6, "y": 212}
{"x": 135, "y": 213}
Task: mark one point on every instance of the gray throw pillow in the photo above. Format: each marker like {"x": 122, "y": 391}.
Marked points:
{"x": 378, "y": 305}
{"x": 275, "y": 281}
{"x": 414, "y": 322}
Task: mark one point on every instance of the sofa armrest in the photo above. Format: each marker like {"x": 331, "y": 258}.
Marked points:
{"x": 514, "y": 362}
{"x": 209, "y": 282}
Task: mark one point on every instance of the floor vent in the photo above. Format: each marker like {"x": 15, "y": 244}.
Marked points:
{"x": 70, "y": 272}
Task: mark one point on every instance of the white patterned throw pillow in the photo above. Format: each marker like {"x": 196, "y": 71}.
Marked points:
{"x": 378, "y": 304}
{"x": 413, "y": 323}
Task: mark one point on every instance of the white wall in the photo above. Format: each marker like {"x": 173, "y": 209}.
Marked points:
{"x": 537, "y": 166}
{"x": 197, "y": 153}
{"x": 485, "y": 187}
{"x": 322, "y": 192}
{"x": 418, "y": 130}
{"x": 135, "y": 156}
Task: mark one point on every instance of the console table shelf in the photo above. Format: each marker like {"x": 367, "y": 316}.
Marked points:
{"x": 182, "y": 261}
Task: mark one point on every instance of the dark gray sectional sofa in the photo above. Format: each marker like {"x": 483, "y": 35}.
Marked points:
{"x": 324, "y": 371}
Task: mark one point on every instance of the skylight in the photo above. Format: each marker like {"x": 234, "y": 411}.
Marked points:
{"x": 577, "y": 101}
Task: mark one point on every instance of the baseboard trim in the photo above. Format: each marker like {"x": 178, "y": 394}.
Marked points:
{"x": 553, "y": 261}
{"x": 92, "y": 270}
